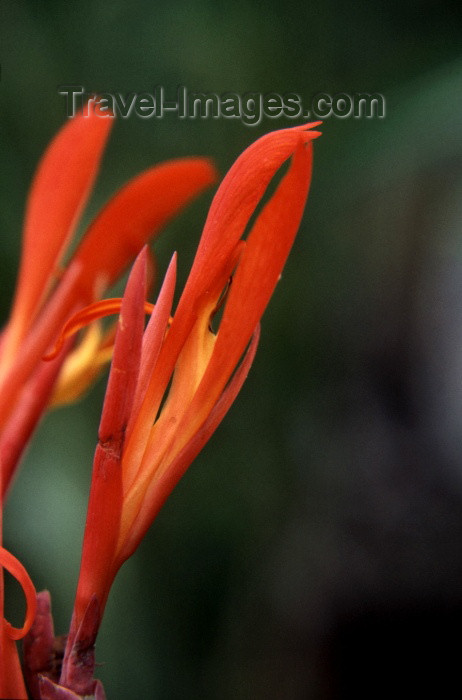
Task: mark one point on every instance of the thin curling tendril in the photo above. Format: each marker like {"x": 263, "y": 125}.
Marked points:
{"x": 92, "y": 312}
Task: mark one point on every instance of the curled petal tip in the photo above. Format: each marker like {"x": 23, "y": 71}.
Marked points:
{"x": 16, "y": 569}
{"x": 308, "y": 132}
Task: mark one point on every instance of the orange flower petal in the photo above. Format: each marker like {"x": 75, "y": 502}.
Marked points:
{"x": 257, "y": 274}
{"x": 152, "y": 344}
{"x": 135, "y": 214}
{"x": 60, "y": 190}
{"x": 126, "y": 358}
{"x": 105, "y": 503}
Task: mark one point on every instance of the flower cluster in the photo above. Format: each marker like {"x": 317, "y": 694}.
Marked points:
{"x": 172, "y": 379}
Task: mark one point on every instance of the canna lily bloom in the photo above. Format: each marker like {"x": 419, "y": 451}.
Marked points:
{"x": 46, "y": 294}
{"x": 172, "y": 382}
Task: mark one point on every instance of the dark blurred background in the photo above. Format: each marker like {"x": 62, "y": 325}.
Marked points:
{"x": 313, "y": 550}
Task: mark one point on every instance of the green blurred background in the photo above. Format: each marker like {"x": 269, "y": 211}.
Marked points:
{"x": 313, "y": 550}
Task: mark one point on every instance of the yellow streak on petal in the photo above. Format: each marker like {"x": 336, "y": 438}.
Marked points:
{"x": 163, "y": 444}
{"x": 82, "y": 366}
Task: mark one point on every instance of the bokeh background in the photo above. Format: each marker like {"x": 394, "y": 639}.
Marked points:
{"x": 313, "y": 550}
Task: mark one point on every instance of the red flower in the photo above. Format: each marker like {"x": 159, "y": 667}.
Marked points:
{"x": 45, "y": 295}
{"x": 150, "y": 433}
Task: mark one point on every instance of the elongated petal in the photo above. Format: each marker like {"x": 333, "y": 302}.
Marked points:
{"x": 258, "y": 272}
{"x": 152, "y": 343}
{"x": 105, "y": 503}
{"x": 155, "y": 332}
{"x": 127, "y": 355}
{"x": 137, "y": 213}
{"x": 60, "y": 189}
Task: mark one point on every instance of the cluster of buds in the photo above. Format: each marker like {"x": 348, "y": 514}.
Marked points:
{"x": 172, "y": 379}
